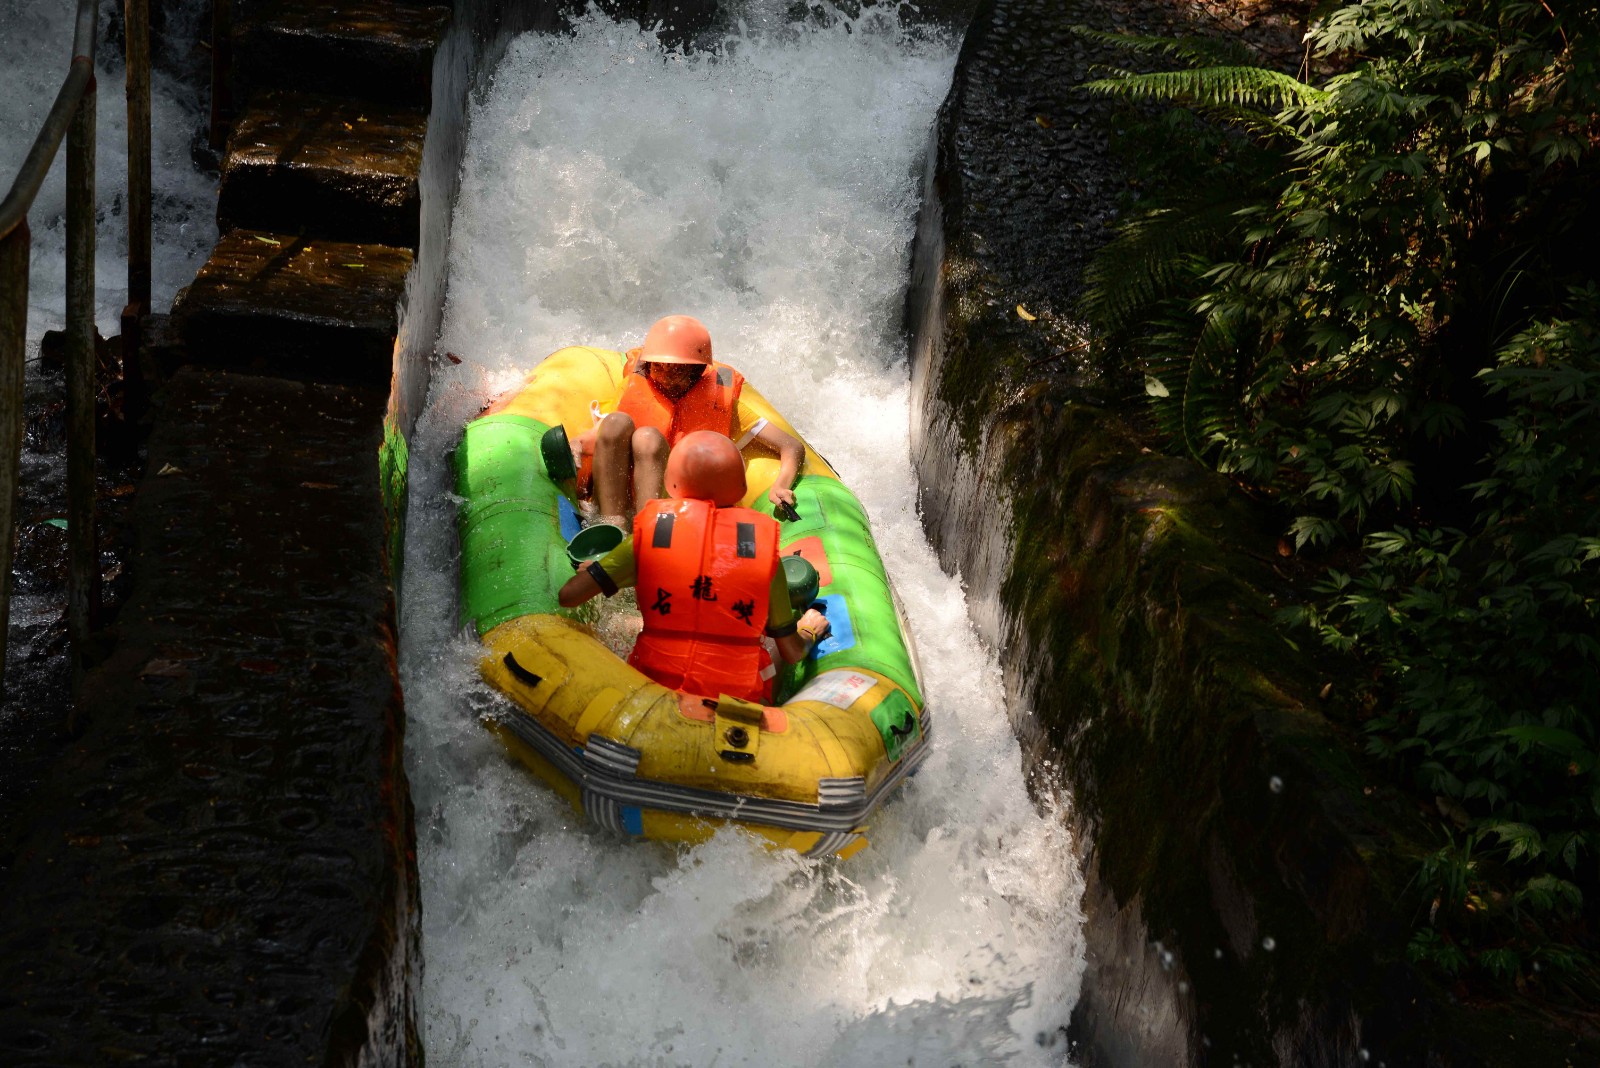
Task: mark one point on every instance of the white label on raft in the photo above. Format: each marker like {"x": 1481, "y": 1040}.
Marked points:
{"x": 841, "y": 689}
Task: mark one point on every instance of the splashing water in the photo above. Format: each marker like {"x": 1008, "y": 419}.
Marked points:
{"x": 35, "y": 50}
{"x": 768, "y": 186}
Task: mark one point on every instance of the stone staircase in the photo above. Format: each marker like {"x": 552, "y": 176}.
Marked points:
{"x": 219, "y": 868}
{"x": 320, "y": 196}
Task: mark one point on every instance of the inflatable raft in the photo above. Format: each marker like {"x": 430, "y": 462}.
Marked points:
{"x": 806, "y": 774}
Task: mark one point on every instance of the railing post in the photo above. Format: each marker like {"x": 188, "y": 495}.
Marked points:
{"x": 14, "y": 248}
{"x": 221, "y": 73}
{"x": 83, "y": 558}
{"x": 136, "y": 20}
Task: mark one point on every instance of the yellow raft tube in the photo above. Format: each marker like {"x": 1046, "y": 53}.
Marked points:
{"x": 638, "y": 758}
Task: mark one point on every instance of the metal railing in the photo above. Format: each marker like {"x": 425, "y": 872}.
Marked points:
{"x": 72, "y": 116}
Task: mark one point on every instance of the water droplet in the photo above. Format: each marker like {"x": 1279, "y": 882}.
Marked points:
{"x": 1183, "y": 986}
{"x": 1269, "y": 943}
{"x": 1275, "y": 784}
{"x": 1167, "y": 960}
{"x": 1364, "y": 1055}
{"x": 1217, "y": 953}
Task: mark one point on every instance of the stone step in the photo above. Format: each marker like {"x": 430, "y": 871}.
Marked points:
{"x": 296, "y": 307}
{"x": 338, "y": 168}
{"x": 367, "y": 49}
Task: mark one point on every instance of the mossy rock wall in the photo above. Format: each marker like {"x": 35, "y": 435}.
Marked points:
{"x": 1246, "y": 877}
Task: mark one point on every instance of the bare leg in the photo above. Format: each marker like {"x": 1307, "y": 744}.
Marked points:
{"x": 613, "y": 462}
{"x": 649, "y": 465}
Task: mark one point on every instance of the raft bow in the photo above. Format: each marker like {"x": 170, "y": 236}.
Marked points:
{"x": 806, "y": 774}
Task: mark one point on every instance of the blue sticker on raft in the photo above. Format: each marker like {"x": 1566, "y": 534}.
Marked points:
{"x": 632, "y": 819}
{"x": 570, "y": 523}
{"x": 841, "y": 635}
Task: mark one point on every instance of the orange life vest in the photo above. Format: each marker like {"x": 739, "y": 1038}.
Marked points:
{"x": 710, "y": 404}
{"x": 704, "y": 580}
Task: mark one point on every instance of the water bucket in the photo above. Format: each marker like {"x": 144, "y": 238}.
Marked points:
{"x": 803, "y": 581}
{"x": 591, "y": 543}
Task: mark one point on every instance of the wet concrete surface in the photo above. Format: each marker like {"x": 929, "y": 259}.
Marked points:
{"x": 374, "y": 49}
{"x": 216, "y": 869}
{"x": 35, "y": 704}
{"x": 209, "y": 857}
{"x": 297, "y": 306}
{"x": 341, "y": 168}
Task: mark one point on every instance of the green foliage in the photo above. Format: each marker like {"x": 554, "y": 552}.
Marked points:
{"x": 1370, "y": 298}
{"x": 1246, "y": 93}
{"x": 1487, "y": 636}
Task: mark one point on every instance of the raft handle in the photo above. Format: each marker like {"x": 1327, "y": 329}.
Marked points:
{"x": 520, "y": 673}
{"x": 738, "y": 725}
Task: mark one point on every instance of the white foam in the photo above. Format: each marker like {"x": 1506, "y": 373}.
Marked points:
{"x": 35, "y": 49}
{"x": 770, "y": 188}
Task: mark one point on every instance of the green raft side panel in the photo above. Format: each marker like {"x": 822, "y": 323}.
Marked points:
{"x": 830, "y": 512}
{"x": 510, "y": 522}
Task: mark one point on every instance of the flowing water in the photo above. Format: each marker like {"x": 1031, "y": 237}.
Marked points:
{"x": 769, "y": 186}
{"x": 35, "y": 50}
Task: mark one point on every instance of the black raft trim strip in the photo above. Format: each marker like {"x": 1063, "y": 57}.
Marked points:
{"x": 662, "y": 538}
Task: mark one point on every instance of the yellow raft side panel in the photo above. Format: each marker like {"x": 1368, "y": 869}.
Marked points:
{"x": 669, "y": 826}
{"x": 585, "y": 689}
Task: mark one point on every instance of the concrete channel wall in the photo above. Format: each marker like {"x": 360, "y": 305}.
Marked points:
{"x": 1246, "y": 876}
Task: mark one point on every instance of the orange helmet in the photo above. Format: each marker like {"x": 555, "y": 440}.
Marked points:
{"x": 707, "y": 466}
{"x": 677, "y": 339}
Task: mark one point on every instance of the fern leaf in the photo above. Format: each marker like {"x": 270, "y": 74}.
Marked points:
{"x": 1197, "y": 51}
{"x": 1212, "y": 87}
{"x": 1153, "y": 258}
{"x": 1209, "y": 410}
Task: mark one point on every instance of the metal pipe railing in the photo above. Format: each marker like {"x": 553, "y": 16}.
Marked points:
{"x": 136, "y": 20}
{"x": 83, "y": 558}
{"x": 72, "y": 117}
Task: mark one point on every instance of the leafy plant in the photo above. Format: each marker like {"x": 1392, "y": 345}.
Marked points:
{"x": 1383, "y": 316}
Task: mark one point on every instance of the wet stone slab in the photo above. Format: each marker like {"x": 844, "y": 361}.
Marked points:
{"x": 339, "y": 168}
{"x": 217, "y": 871}
{"x": 369, "y": 49}
{"x": 296, "y": 306}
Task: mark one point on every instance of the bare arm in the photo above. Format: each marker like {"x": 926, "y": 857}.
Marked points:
{"x": 813, "y": 627}
{"x": 578, "y": 589}
{"x": 791, "y": 454}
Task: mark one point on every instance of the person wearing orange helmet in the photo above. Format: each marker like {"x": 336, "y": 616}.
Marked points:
{"x": 671, "y": 387}
{"x": 708, "y": 577}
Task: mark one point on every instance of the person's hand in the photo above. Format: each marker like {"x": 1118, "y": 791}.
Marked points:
{"x": 813, "y": 626}
{"x": 780, "y": 496}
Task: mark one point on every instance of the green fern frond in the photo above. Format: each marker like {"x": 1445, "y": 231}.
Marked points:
{"x": 1165, "y": 355}
{"x": 1153, "y": 258}
{"x": 1197, "y": 51}
{"x": 1210, "y": 407}
{"x": 1191, "y": 379}
{"x": 1212, "y": 87}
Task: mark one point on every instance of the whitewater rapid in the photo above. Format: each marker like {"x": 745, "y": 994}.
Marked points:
{"x": 768, "y": 186}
